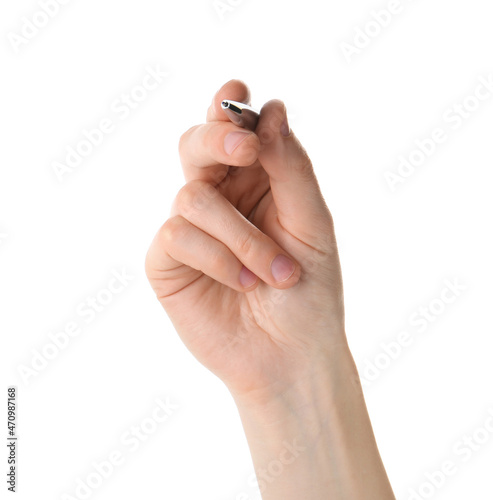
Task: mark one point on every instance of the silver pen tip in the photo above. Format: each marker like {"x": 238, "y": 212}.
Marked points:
{"x": 231, "y": 106}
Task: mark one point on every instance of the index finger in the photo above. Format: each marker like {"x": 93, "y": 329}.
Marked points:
{"x": 235, "y": 90}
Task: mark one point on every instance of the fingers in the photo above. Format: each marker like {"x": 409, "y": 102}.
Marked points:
{"x": 236, "y": 90}
{"x": 204, "y": 207}
{"x": 301, "y": 208}
{"x": 213, "y": 145}
{"x": 180, "y": 242}
{"x": 219, "y": 143}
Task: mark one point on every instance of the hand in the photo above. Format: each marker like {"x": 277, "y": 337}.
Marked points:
{"x": 247, "y": 266}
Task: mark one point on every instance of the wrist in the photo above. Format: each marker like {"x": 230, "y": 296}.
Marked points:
{"x": 317, "y": 430}
{"x": 308, "y": 400}
{"x": 296, "y": 436}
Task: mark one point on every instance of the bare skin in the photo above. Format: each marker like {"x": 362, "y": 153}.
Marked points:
{"x": 277, "y": 341}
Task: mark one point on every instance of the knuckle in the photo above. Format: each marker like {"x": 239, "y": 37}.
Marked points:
{"x": 217, "y": 260}
{"x": 173, "y": 229}
{"x": 195, "y": 196}
{"x": 247, "y": 242}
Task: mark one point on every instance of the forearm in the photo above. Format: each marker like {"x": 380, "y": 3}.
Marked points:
{"x": 315, "y": 441}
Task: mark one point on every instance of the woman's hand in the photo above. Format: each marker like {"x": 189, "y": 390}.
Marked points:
{"x": 247, "y": 265}
{"x": 275, "y": 337}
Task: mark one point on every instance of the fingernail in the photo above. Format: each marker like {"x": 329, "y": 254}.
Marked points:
{"x": 285, "y": 131}
{"x": 247, "y": 278}
{"x": 282, "y": 268}
{"x": 233, "y": 140}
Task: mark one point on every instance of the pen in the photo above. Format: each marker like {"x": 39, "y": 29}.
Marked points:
{"x": 241, "y": 114}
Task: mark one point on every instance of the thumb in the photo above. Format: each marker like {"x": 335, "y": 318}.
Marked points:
{"x": 301, "y": 208}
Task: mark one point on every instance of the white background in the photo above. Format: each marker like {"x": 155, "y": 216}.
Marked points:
{"x": 355, "y": 115}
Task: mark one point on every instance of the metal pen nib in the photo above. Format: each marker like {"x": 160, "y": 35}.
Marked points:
{"x": 241, "y": 114}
